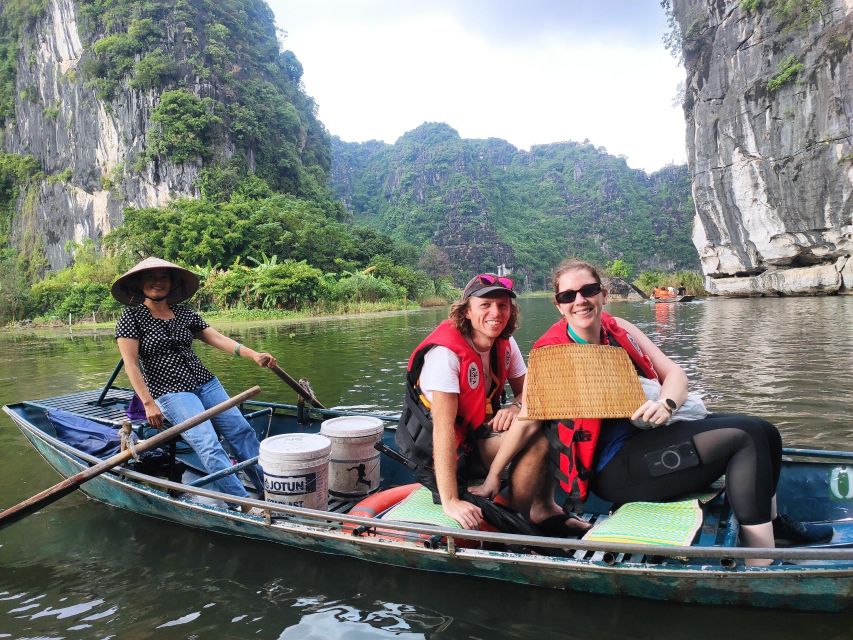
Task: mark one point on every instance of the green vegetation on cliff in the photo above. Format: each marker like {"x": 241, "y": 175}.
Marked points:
{"x": 15, "y": 16}
{"x": 18, "y": 269}
{"x": 223, "y": 81}
{"x": 486, "y": 203}
{"x": 265, "y": 233}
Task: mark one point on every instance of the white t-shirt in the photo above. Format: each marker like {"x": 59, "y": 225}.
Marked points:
{"x": 441, "y": 368}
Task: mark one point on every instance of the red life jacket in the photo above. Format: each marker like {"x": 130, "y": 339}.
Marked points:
{"x": 473, "y": 384}
{"x": 575, "y": 440}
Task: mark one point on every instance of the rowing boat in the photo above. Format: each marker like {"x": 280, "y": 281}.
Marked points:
{"x": 814, "y": 486}
{"x": 672, "y": 299}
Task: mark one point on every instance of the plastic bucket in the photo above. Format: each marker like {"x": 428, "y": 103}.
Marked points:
{"x": 354, "y": 468}
{"x": 296, "y": 467}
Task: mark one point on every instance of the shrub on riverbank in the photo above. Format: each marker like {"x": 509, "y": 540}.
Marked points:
{"x": 270, "y": 289}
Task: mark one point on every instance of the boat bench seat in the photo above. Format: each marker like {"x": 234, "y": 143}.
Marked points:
{"x": 85, "y": 403}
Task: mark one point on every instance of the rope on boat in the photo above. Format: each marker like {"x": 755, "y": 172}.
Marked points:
{"x": 269, "y": 426}
{"x": 305, "y": 384}
{"x": 127, "y": 442}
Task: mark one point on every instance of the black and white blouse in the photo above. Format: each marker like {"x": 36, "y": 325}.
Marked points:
{"x": 166, "y": 356}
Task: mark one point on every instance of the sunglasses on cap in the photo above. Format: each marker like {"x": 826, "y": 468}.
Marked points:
{"x": 491, "y": 279}
{"x": 587, "y": 291}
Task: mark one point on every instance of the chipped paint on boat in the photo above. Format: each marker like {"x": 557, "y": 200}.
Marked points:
{"x": 827, "y": 588}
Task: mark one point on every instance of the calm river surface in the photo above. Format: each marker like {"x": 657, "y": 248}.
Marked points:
{"x": 79, "y": 569}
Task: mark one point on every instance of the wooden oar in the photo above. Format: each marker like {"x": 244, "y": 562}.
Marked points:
{"x": 57, "y": 491}
{"x": 298, "y": 388}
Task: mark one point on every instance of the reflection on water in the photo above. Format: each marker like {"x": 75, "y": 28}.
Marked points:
{"x": 82, "y": 570}
{"x": 145, "y": 579}
{"x": 791, "y": 362}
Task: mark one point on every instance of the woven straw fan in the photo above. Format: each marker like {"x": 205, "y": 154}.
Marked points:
{"x": 581, "y": 381}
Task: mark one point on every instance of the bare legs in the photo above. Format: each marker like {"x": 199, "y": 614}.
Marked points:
{"x": 532, "y": 487}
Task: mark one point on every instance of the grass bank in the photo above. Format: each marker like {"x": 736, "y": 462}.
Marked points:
{"x": 230, "y": 317}
{"x": 242, "y": 317}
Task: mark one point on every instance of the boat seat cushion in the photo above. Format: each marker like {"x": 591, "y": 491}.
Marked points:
{"x": 419, "y": 507}
{"x": 657, "y": 523}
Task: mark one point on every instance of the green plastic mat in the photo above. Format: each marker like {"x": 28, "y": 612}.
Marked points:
{"x": 419, "y": 507}
{"x": 661, "y": 523}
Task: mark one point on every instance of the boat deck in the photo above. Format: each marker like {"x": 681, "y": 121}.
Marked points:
{"x": 111, "y": 410}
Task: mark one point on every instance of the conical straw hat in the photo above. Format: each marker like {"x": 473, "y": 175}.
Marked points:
{"x": 126, "y": 288}
{"x": 581, "y": 381}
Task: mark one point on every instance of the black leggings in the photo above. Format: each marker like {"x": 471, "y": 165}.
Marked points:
{"x": 747, "y": 449}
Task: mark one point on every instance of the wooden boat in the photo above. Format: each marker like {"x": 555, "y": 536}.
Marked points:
{"x": 814, "y": 486}
{"x": 685, "y": 298}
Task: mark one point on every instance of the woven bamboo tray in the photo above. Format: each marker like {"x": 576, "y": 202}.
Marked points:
{"x": 581, "y": 381}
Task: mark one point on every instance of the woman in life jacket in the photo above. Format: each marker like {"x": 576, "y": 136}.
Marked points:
{"x": 627, "y": 460}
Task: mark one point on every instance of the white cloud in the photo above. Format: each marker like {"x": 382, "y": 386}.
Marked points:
{"x": 376, "y": 78}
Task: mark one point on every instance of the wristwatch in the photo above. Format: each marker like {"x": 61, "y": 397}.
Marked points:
{"x": 669, "y": 404}
{"x": 515, "y": 404}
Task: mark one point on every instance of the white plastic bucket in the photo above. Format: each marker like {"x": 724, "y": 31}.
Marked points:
{"x": 296, "y": 467}
{"x": 354, "y": 468}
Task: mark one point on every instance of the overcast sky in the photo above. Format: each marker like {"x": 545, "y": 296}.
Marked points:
{"x": 527, "y": 71}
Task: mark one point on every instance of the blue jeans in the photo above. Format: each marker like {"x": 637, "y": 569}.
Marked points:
{"x": 236, "y": 430}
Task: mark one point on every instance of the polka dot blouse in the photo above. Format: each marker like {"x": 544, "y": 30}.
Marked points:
{"x": 166, "y": 356}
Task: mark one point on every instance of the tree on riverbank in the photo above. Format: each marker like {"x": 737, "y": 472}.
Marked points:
{"x": 253, "y": 250}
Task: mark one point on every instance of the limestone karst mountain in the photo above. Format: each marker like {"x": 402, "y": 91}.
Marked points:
{"x": 486, "y": 203}
{"x": 769, "y": 108}
{"x": 126, "y": 103}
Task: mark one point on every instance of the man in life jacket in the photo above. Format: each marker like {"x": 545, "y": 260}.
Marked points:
{"x": 452, "y": 420}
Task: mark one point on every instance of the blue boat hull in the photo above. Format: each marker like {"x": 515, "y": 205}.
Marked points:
{"x": 821, "y": 586}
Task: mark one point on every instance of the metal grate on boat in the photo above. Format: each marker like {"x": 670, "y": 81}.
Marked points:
{"x": 85, "y": 403}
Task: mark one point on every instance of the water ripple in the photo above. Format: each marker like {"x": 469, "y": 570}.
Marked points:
{"x": 79, "y": 569}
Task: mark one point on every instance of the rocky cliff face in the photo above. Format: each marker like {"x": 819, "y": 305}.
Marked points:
{"x": 84, "y": 145}
{"x": 90, "y": 88}
{"x": 769, "y": 109}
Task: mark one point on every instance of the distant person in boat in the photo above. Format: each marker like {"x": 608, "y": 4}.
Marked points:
{"x": 452, "y": 420}
{"x": 615, "y": 458}
{"x": 155, "y": 335}
{"x": 682, "y": 290}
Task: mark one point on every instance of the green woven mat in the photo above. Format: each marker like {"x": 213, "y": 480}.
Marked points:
{"x": 661, "y": 523}
{"x": 418, "y": 507}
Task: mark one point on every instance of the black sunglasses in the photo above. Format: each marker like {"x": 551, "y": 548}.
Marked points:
{"x": 587, "y": 291}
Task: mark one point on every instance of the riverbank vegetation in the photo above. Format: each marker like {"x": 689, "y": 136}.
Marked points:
{"x": 272, "y": 229}
{"x": 259, "y": 290}
{"x": 258, "y": 254}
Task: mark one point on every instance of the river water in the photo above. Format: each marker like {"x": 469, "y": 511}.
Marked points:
{"x": 79, "y": 569}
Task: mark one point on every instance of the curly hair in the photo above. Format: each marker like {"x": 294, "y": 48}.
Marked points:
{"x": 573, "y": 264}
{"x": 458, "y": 317}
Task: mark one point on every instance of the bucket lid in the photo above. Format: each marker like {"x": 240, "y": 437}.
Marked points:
{"x": 351, "y": 426}
{"x": 296, "y": 446}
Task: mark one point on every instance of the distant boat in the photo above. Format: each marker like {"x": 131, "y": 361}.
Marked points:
{"x": 685, "y": 298}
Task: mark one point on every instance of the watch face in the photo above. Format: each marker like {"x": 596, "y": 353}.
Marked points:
{"x": 670, "y": 403}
